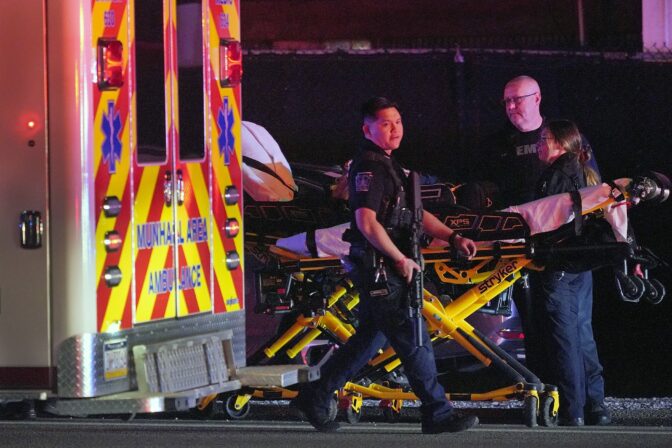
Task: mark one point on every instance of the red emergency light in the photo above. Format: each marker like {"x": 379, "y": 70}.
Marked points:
{"x": 230, "y": 63}
{"x": 110, "y": 64}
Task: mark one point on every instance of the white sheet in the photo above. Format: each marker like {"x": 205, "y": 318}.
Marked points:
{"x": 258, "y": 144}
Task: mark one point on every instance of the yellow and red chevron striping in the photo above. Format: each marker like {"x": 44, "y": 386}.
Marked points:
{"x": 236, "y": 276}
{"x": 196, "y": 205}
{"x": 160, "y": 309}
{"x": 149, "y": 196}
{"x": 150, "y": 190}
{"x": 228, "y": 285}
{"x": 220, "y": 211}
{"x": 189, "y": 295}
{"x": 109, "y": 22}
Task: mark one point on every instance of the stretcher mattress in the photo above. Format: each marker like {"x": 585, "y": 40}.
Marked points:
{"x": 542, "y": 215}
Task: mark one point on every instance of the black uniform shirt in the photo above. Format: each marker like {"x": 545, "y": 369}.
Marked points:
{"x": 371, "y": 185}
{"x": 509, "y": 159}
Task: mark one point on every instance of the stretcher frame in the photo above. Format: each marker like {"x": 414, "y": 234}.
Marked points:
{"x": 444, "y": 322}
{"x": 541, "y": 401}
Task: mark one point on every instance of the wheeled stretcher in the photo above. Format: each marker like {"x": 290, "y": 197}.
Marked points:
{"x": 522, "y": 241}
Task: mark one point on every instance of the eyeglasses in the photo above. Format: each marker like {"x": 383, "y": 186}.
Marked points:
{"x": 516, "y": 99}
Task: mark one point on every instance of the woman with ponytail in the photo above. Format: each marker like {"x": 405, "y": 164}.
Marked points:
{"x": 565, "y": 298}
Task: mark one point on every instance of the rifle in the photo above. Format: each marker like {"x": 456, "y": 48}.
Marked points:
{"x": 415, "y": 293}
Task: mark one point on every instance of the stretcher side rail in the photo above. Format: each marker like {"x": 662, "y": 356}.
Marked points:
{"x": 496, "y": 250}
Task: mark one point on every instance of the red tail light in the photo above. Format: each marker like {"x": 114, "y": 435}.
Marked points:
{"x": 230, "y": 63}
{"x": 511, "y": 335}
{"x": 110, "y": 64}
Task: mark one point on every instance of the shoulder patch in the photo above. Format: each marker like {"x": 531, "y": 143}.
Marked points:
{"x": 363, "y": 181}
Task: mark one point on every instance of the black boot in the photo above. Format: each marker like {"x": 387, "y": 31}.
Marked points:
{"x": 455, "y": 422}
{"x": 598, "y": 415}
{"x": 317, "y": 416}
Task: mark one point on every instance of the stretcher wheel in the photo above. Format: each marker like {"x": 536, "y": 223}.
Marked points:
{"x": 391, "y": 416}
{"x": 546, "y": 415}
{"x": 353, "y": 416}
{"x": 630, "y": 287}
{"x": 333, "y": 409}
{"x": 232, "y": 412}
{"x": 654, "y": 291}
{"x": 530, "y": 411}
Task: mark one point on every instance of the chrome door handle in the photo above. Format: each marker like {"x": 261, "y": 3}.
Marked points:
{"x": 179, "y": 187}
{"x": 31, "y": 229}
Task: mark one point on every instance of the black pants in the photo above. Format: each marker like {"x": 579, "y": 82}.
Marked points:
{"x": 571, "y": 353}
{"x": 382, "y": 320}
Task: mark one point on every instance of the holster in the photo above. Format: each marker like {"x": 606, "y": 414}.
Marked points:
{"x": 365, "y": 255}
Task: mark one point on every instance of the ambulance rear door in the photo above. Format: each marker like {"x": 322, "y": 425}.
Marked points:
{"x": 155, "y": 202}
{"x": 186, "y": 205}
{"x": 192, "y": 177}
{"x": 208, "y": 157}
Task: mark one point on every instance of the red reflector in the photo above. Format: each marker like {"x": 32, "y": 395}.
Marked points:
{"x": 110, "y": 64}
{"x": 230, "y": 63}
{"x": 112, "y": 241}
{"x": 511, "y": 334}
{"x": 232, "y": 228}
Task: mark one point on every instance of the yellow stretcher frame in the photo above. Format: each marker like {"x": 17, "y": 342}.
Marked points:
{"x": 541, "y": 401}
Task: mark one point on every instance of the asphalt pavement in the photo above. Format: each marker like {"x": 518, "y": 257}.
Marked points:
{"x": 644, "y": 422}
{"x": 267, "y": 434}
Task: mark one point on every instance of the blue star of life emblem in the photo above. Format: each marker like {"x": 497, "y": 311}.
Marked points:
{"x": 226, "y": 139}
{"x": 111, "y": 145}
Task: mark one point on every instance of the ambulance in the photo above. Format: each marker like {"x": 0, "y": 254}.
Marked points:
{"x": 121, "y": 274}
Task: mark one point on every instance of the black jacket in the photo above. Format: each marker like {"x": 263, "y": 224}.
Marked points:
{"x": 565, "y": 174}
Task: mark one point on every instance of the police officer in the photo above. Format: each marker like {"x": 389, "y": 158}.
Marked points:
{"x": 380, "y": 240}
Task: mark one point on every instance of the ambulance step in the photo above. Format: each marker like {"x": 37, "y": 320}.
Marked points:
{"x": 279, "y": 376}
{"x": 21, "y": 394}
{"x": 135, "y": 402}
{"x": 184, "y": 364}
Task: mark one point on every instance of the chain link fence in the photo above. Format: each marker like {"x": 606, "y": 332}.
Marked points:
{"x": 450, "y": 100}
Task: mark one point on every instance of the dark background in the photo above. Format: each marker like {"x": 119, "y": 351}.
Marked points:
{"x": 607, "y": 24}
{"x": 619, "y": 97}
